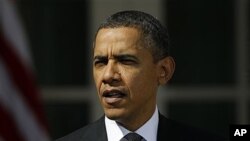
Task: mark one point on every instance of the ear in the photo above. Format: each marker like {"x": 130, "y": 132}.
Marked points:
{"x": 166, "y": 69}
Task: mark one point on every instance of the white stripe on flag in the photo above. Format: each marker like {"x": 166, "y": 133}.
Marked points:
{"x": 10, "y": 97}
{"x": 13, "y": 102}
{"x": 13, "y": 30}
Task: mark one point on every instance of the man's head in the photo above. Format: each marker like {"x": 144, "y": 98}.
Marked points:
{"x": 154, "y": 36}
{"x": 131, "y": 60}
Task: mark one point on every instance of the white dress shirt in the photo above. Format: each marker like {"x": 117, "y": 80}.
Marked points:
{"x": 148, "y": 131}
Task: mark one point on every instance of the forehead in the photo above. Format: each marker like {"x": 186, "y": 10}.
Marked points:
{"x": 118, "y": 39}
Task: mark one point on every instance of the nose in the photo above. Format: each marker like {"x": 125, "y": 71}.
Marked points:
{"x": 111, "y": 74}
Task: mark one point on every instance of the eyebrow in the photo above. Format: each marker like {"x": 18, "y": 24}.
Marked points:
{"x": 99, "y": 57}
{"x": 118, "y": 57}
{"x": 126, "y": 56}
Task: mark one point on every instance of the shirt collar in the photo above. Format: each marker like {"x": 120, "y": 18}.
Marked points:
{"x": 148, "y": 131}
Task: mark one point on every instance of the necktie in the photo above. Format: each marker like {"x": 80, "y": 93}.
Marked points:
{"x": 132, "y": 137}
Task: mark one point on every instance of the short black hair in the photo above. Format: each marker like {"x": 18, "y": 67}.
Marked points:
{"x": 155, "y": 36}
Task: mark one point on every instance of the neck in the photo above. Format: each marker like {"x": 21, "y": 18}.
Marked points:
{"x": 139, "y": 119}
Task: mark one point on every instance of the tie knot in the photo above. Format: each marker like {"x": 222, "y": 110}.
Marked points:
{"x": 132, "y": 137}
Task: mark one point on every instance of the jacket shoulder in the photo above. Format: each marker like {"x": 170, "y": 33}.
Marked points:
{"x": 92, "y": 132}
{"x": 173, "y": 130}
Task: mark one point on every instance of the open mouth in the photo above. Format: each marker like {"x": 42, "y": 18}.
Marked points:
{"x": 113, "y": 94}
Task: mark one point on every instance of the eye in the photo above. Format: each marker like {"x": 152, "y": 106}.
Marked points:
{"x": 128, "y": 61}
{"x": 99, "y": 63}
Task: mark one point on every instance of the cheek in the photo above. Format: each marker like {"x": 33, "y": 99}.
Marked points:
{"x": 140, "y": 82}
{"x": 145, "y": 83}
{"x": 97, "y": 79}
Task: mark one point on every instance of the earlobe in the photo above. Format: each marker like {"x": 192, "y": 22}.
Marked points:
{"x": 166, "y": 70}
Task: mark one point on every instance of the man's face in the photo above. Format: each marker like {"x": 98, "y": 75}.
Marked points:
{"x": 125, "y": 74}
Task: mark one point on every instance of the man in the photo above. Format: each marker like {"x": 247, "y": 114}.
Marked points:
{"x": 131, "y": 60}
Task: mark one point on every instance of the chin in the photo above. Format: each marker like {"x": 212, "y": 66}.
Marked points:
{"x": 114, "y": 114}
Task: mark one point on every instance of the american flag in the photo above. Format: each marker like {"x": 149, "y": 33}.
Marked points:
{"x": 21, "y": 114}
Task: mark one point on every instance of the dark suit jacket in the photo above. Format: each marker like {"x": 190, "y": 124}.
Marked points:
{"x": 168, "y": 130}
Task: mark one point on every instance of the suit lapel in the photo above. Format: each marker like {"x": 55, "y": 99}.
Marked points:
{"x": 165, "y": 129}
{"x": 162, "y": 128}
{"x": 94, "y": 132}
{"x": 101, "y": 134}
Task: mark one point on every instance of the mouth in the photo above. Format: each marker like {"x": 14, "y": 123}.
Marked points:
{"x": 113, "y": 96}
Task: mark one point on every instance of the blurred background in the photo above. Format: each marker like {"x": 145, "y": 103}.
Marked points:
{"x": 210, "y": 44}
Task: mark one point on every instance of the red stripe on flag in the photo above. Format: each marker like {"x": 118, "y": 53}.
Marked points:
{"x": 23, "y": 79}
{"x": 8, "y": 129}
